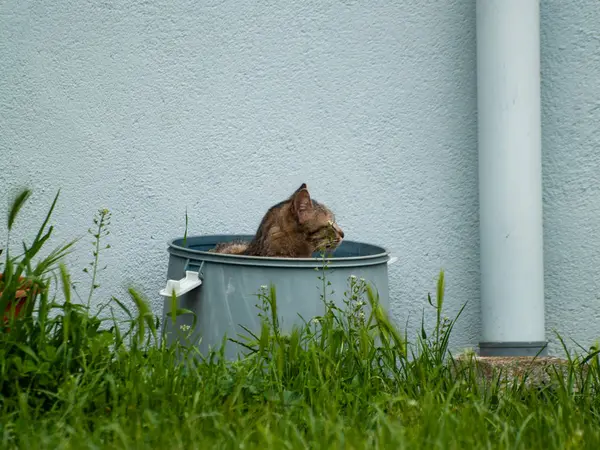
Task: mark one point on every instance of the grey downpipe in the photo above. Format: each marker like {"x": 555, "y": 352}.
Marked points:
{"x": 510, "y": 178}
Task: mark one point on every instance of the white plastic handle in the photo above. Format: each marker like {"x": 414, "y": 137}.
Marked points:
{"x": 191, "y": 281}
{"x": 392, "y": 260}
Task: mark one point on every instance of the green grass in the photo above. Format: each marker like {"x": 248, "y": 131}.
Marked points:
{"x": 348, "y": 379}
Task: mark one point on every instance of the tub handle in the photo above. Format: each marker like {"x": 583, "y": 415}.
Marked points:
{"x": 179, "y": 287}
{"x": 392, "y": 260}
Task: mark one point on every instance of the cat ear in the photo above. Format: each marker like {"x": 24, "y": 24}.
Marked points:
{"x": 301, "y": 187}
{"x": 302, "y": 205}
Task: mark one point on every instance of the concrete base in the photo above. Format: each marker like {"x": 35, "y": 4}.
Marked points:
{"x": 510, "y": 370}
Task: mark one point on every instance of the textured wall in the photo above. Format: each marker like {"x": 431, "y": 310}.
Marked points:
{"x": 225, "y": 107}
{"x": 571, "y": 149}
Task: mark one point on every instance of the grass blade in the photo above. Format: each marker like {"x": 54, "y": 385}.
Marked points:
{"x": 16, "y": 206}
{"x": 47, "y": 219}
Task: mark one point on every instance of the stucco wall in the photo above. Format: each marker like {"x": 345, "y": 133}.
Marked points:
{"x": 571, "y": 167}
{"x": 225, "y": 107}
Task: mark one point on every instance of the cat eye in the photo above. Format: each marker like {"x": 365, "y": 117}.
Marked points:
{"x": 330, "y": 226}
{"x": 318, "y": 230}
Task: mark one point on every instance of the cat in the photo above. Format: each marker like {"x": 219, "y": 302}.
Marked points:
{"x": 294, "y": 228}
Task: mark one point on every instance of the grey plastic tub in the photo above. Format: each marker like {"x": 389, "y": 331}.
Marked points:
{"x": 227, "y": 297}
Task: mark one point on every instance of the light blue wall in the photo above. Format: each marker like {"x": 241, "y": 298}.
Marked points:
{"x": 225, "y": 107}
{"x": 571, "y": 165}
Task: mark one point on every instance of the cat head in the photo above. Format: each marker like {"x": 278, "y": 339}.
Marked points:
{"x": 315, "y": 221}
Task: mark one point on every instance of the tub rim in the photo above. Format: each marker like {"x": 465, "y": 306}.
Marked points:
{"x": 382, "y": 257}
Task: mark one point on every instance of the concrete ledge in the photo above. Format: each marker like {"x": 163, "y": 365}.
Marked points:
{"x": 510, "y": 370}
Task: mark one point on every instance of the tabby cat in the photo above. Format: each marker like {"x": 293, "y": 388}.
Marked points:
{"x": 294, "y": 228}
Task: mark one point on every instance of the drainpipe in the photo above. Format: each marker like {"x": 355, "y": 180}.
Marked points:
{"x": 510, "y": 178}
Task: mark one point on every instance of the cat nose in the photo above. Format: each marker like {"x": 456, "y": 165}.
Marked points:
{"x": 338, "y": 230}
